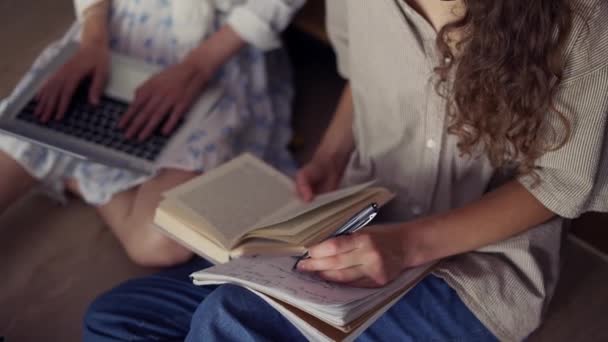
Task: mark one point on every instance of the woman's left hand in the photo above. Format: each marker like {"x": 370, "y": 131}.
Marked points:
{"x": 369, "y": 258}
{"x": 165, "y": 96}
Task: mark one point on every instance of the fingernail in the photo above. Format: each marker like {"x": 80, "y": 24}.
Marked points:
{"x": 301, "y": 266}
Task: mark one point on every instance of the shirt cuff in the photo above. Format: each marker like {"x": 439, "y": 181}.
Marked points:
{"x": 253, "y": 30}
{"x": 80, "y": 6}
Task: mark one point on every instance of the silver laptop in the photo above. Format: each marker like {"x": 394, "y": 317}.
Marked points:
{"x": 89, "y": 132}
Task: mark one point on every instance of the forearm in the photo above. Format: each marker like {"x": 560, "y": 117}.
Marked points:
{"x": 216, "y": 50}
{"x": 338, "y": 141}
{"x": 95, "y": 26}
{"x": 501, "y": 214}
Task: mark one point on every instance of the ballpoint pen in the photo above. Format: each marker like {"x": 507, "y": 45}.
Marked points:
{"x": 358, "y": 221}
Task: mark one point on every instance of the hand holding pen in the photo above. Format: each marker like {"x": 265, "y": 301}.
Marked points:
{"x": 358, "y": 221}
{"x": 370, "y": 258}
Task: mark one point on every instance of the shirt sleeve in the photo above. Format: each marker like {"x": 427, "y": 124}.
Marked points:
{"x": 260, "y": 22}
{"x": 80, "y": 6}
{"x": 336, "y": 16}
{"x": 574, "y": 178}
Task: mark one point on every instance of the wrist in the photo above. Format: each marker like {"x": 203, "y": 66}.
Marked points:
{"x": 99, "y": 45}
{"x": 418, "y": 243}
{"x": 97, "y": 38}
{"x": 332, "y": 156}
{"x": 212, "y": 53}
{"x": 335, "y": 148}
{"x": 198, "y": 64}
{"x": 95, "y": 27}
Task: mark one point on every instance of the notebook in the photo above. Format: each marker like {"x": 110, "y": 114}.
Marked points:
{"x": 320, "y": 310}
{"x": 245, "y": 207}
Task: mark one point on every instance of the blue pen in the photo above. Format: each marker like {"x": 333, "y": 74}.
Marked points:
{"x": 358, "y": 221}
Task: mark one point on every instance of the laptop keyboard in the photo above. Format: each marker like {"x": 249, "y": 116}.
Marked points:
{"x": 99, "y": 125}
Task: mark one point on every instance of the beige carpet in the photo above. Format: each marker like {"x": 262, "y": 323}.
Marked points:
{"x": 55, "y": 259}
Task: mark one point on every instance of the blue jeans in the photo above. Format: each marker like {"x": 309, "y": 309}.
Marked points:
{"x": 168, "y": 307}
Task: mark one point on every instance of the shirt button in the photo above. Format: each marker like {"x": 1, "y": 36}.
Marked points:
{"x": 416, "y": 210}
{"x": 431, "y": 143}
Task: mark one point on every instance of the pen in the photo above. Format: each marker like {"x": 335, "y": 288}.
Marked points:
{"x": 358, "y": 221}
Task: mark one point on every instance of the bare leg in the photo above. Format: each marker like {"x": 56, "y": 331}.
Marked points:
{"x": 14, "y": 182}
{"x": 130, "y": 214}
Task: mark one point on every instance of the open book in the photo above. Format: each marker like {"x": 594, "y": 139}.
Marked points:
{"x": 245, "y": 207}
{"x": 320, "y": 310}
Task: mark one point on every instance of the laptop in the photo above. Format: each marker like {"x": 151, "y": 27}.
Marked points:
{"x": 90, "y": 132}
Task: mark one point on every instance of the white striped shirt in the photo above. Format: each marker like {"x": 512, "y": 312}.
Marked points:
{"x": 388, "y": 51}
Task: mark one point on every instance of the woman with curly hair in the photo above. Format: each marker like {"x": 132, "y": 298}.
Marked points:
{"x": 488, "y": 119}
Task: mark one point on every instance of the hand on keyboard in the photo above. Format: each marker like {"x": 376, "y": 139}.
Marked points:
{"x": 89, "y": 61}
{"x": 97, "y": 124}
{"x": 163, "y": 100}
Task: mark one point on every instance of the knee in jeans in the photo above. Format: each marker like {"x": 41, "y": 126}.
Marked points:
{"x": 99, "y": 317}
{"x": 227, "y": 297}
{"x": 226, "y": 303}
{"x": 229, "y": 292}
{"x": 233, "y": 313}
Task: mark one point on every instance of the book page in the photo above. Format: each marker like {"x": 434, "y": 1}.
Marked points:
{"x": 308, "y": 224}
{"x": 235, "y": 196}
{"x": 299, "y": 207}
{"x": 316, "y": 330}
{"x": 275, "y": 277}
{"x": 275, "y": 273}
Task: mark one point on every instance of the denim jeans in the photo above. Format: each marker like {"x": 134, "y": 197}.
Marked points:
{"x": 168, "y": 307}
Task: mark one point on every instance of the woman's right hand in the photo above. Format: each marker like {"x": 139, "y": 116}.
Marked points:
{"x": 89, "y": 61}
{"x": 320, "y": 175}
